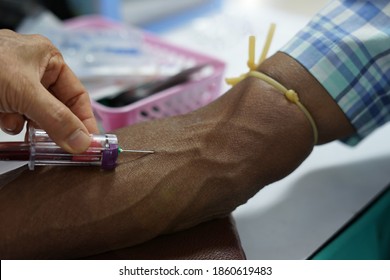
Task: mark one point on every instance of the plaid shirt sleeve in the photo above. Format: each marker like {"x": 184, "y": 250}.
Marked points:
{"x": 346, "y": 47}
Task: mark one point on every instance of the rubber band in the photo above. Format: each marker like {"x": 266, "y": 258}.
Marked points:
{"x": 252, "y": 65}
{"x": 267, "y": 43}
{"x": 290, "y": 94}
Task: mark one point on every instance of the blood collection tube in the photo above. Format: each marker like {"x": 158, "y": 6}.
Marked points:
{"x": 102, "y": 152}
{"x": 41, "y": 150}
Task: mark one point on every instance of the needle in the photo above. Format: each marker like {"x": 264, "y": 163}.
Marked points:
{"x": 135, "y": 151}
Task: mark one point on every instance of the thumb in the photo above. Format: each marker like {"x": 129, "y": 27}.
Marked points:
{"x": 63, "y": 127}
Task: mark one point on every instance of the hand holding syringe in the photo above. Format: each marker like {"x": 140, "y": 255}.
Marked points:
{"x": 41, "y": 150}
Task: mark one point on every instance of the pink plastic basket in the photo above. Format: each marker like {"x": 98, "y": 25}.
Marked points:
{"x": 176, "y": 100}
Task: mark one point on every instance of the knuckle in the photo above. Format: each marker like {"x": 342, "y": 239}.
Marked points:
{"x": 42, "y": 40}
{"x": 7, "y": 32}
{"x": 45, "y": 45}
{"x": 60, "y": 114}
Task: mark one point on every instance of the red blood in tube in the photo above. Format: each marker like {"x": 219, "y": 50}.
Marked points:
{"x": 88, "y": 155}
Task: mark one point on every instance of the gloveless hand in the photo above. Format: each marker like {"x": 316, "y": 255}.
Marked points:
{"x": 37, "y": 85}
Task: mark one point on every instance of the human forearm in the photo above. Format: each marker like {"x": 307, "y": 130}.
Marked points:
{"x": 331, "y": 122}
{"x": 206, "y": 164}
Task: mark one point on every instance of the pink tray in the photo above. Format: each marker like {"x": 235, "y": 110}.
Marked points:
{"x": 177, "y": 100}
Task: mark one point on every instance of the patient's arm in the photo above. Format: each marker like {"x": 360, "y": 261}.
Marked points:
{"x": 206, "y": 164}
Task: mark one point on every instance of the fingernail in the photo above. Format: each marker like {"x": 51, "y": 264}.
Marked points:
{"x": 9, "y": 126}
{"x": 79, "y": 141}
{"x": 9, "y": 130}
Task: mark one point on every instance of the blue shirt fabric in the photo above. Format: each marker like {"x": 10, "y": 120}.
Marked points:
{"x": 346, "y": 47}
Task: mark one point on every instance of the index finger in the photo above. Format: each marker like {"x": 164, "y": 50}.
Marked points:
{"x": 60, "y": 80}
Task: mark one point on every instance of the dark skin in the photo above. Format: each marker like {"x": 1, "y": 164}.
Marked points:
{"x": 206, "y": 164}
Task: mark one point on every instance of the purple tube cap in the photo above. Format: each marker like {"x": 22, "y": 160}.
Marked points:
{"x": 109, "y": 157}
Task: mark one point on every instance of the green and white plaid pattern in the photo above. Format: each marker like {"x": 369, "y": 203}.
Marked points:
{"x": 346, "y": 47}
